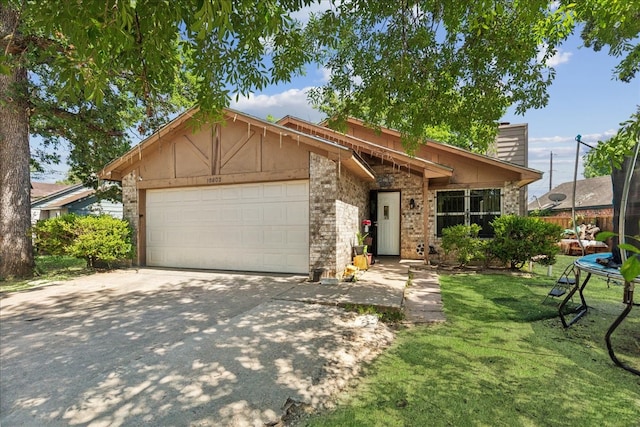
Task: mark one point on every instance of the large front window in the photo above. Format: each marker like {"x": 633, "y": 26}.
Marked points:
{"x": 468, "y": 207}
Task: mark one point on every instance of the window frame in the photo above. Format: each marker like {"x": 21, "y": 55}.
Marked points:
{"x": 467, "y": 213}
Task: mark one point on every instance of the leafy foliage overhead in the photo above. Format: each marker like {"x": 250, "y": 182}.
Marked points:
{"x": 609, "y": 154}
{"x": 613, "y": 25}
{"x": 415, "y": 65}
{"x": 99, "y": 70}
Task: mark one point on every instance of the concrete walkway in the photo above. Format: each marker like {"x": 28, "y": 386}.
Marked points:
{"x": 384, "y": 286}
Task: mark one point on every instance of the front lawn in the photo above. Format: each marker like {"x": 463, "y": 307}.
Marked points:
{"x": 502, "y": 359}
{"x": 49, "y": 268}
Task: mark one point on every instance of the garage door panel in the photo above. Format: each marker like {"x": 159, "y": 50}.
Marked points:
{"x": 252, "y": 192}
{"x": 252, "y": 215}
{"x": 297, "y": 212}
{"x": 253, "y": 227}
{"x": 297, "y": 238}
{"x": 212, "y": 195}
{"x": 297, "y": 190}
{"x": 231, "y": 193}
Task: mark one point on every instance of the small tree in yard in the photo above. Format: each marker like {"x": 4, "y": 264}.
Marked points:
{"x": 518, "y": 239}
{"x": 92, "y": 238}
{"x": 464, "y": 242}
{"x": 101, "y": 238}
{"x": 54, "y": 235}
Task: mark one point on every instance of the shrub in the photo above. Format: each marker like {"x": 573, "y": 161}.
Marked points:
{"x": 102, "y": 238}
{"x": 92, "y": 238}
{"x": 463, "y": 241}
{"x": 518, "y": 239}
{"x": 54, "y": 235}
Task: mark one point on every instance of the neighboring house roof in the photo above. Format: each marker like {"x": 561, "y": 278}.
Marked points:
{"x": 64, "y": 197}
{"x": 43, "y": 189}
{"x": 590, "y": 193}
{"x": 72, "y": 198}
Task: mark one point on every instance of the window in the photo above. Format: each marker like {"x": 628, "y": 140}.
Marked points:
{"x": 468, "y": 207}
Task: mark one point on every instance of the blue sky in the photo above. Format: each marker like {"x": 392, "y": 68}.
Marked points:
{"x": 584, "y": 99}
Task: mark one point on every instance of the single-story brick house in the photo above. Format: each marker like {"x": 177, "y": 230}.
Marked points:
{"x": 252, "y": 195}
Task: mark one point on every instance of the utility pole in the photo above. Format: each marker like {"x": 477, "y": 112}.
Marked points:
{"x": 550, "y": 171}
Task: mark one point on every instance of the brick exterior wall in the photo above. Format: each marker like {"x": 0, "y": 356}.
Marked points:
{"x": 338, "y": 202}
{"x": 586, "y": 213}
{"x": 323, "y": 188}
{"x": 511, "y": 199}
{"x": 130, "y": 205}
{"x": 352, "y": 207}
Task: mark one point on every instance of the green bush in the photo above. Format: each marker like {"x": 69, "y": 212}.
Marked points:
{"x": 518, "y": 239}
{"x": 92, "y": 238}
{"x": 463, "y": 241}
{"x": 54, "y": 235}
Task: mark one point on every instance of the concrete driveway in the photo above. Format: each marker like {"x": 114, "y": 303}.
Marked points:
{"x": 159, "y": 347}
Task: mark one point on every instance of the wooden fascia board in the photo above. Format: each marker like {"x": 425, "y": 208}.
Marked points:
{"x": 527, "y": 175}
{"x": 295, "y": 135}
{"x": 358, "y": 168}
{"x": 483, "y": 158}
{"x": 435, "y": 170}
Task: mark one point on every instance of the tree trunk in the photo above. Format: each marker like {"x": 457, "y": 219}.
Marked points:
{"x": 16, "y": 252}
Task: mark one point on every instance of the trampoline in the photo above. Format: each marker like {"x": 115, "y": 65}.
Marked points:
{"x": 626, "y": 213}
{"x": 590, "y": 266}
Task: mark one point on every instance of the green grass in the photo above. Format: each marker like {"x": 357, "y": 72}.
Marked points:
{"x": 502, "y": 359}
{"x": 48, "y": 268}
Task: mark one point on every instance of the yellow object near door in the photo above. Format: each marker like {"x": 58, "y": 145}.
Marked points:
{"x": 360, "y": 261}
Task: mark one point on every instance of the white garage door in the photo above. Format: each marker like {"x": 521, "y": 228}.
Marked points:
{"x": 246, "y": 227}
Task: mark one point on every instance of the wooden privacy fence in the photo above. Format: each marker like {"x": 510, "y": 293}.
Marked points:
{"x": 605, "y": 223}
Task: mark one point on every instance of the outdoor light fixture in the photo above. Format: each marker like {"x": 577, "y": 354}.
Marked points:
{"x": 412, "y": 204}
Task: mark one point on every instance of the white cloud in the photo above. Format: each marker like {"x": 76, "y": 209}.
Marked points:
{"x": 559, "y": 57}
{"x": 590, "y": 138}
{"x": 304, "y": 14}
{"x": 325, "y": 74}
{"x": 290, "y": 102}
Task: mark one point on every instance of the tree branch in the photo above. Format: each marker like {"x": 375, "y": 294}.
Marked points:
{"x": 67, "y": 115}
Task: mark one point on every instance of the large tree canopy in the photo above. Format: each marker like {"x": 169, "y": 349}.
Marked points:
{"x": 86, "y": 72}
{"x": 416, "y": 65}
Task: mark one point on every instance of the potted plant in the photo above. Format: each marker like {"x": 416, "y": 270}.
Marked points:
{"x": 360, "y": 248}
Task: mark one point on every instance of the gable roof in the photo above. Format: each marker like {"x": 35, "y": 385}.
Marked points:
{"x": 119, "y": 167}
{"x": 430, "y": 169}
{"x": 43, "y": 189}
{"x": 590, "y": 193}
{"x": 64, "y": 197}
{"x": 527, "y": 175}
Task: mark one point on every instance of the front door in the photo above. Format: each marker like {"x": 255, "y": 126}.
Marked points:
{"x": 388, "y": 235}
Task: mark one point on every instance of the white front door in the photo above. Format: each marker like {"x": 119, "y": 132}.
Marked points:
{"x": 388, "y": 236}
